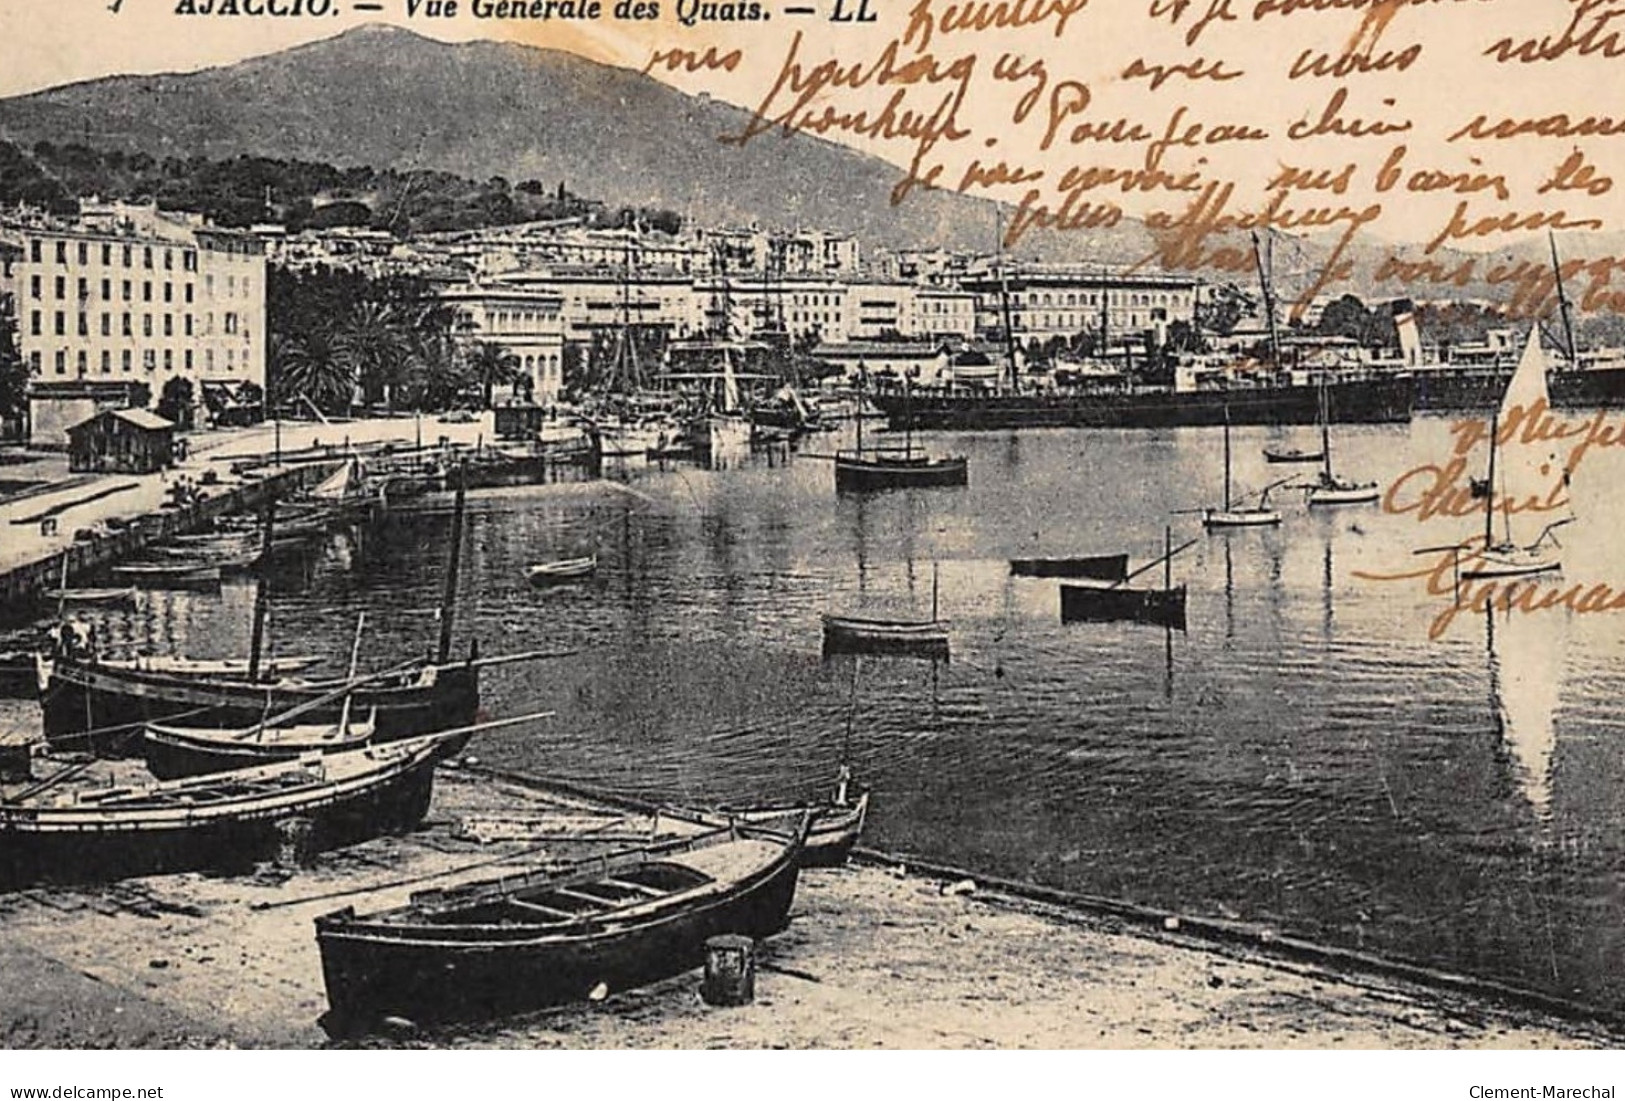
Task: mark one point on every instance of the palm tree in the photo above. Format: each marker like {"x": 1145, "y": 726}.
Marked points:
{"x": 308, "y": 367}
{"x": 372, "y": 343}
{"x": 491, "y": 364}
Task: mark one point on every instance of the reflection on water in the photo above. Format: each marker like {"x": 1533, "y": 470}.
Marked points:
{"x": 1304, "y": 756}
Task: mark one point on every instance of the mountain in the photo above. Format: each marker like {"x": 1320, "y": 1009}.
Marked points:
{"x": 388, "y": 98}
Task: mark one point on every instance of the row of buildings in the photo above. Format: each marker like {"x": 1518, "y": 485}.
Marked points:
{"x": 130, "y": 294}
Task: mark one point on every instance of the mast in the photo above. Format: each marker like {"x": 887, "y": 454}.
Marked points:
{"x": 1269, "y": 301}
{"x": 1167, "y": 557}
{"x": 1227, "y": 456}
{"x": 1325, "y": 430}
{"x": 257, "y": 636}
{"x": 448, "y": 599}
{"x": 1489, "y": 492}
{"x": 1563, "y": 305}
{"x": 908, "y": 416}
{"x": 933, "y": 590}
{"x": 1004, "y": 300}
{"x": 863, "y": 378}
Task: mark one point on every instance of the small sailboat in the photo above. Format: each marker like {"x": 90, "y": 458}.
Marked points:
{"x": 1519, "y": 474}
{"x": 860, "y": 471}
{"x": 1293, "y": 455}
{"x": 1103, "y": 601}
{"x": 1329, "y": 489}
{"x": 1238, "y": 514}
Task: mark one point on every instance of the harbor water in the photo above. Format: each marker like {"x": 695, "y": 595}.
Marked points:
{"x": 1305, "y": 756}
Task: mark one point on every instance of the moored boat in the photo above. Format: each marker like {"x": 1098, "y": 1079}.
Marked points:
{"x": 173, "y": 751}
{"x": 1105, "y": 601}
{"x": 95, "y": 597}
{"x": 562, "y": 569}
{"x": 845, "y": 634}
{"x": 549, "y": 937}
{"x": 1292, "y": 455}
{"x": 1100, "y": 567}
{"x": 222, "y": 821}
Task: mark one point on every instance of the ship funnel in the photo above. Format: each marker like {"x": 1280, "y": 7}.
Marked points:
{"x": 1410, "y": 337}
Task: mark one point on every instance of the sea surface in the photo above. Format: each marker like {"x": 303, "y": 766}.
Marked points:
{"x": 1305, "y": 756}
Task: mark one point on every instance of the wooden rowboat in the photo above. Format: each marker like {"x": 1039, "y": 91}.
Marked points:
{"x": 862, "y": 635}
{"x": 1101, "y": 567}
{"x": 1292, "y": 455}
{"x": 542, "y": 938}
{"x": 237, "y": 668}
{"x": 224, "y": 821}
{"x": 563, "y": 569}
{"x": 169, "y": 574}
{"x": 174, "y": 751}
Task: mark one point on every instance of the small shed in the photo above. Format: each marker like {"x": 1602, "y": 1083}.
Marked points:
{"x": 121, "y": 441}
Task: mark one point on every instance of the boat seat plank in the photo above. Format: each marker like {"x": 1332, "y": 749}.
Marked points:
{"x": 538, "y": 908}
{"x": 640, "y": 888}
{"x": 585, "y": 895}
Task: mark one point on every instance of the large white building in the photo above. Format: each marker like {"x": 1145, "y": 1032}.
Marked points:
{"x": 129, "y": 294}
{"x": 526, "y": 323}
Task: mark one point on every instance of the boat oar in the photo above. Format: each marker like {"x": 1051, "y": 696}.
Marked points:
{"x": 1159, "y": 560}
{"x": 528, "y": 655}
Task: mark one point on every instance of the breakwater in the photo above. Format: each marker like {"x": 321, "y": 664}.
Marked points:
{"x": 21, "y": 584}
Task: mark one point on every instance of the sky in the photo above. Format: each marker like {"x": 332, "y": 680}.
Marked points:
{"x": 1080, "y": 43}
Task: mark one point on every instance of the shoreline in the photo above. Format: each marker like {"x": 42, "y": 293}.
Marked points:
{"x": 875, "y": 957}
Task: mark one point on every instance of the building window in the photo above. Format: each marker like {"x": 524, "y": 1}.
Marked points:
{"x": 169, "y": 325}
{"x": 231, "y": 322}
{"x": 84, "y": 289}
{"x": 124, "y": 360}
{"x": 169, "y": 259}
{"x": 127, "y": 255}
{"x": 107, "y": 256}
{"x": 83, "y": 356}
{"x": 34, "y": 255}
{"x": 61, "y": 286}
{"x": 107, "y": 324}
{"x": 186, "y": 357}
{"x": 61, "y": 323}
{"x": 61, "y": 361}
{"x": 149, "y": 359}
{"x": 33, "y": 323}
{"x": 208, "y": 360}
{"x": 107, "y": 362}
{"x": 84, "y": 324}
{"x": 188, "y": 324}
{"x": 188, "y": 293}
{"x": 146, "y": 290}
{"x": 126, "y": 330}
{"x": 107, "y": 290}
{"x": 146, "y": 324}
{"x": 33, "y": 286}
{"x": 62, "y": 252}
{"x": 146, "y": 256}
{"x": 84, "y": 254}
{"x": 169, "y": 292}
{"x": 169, "y": 359}
{"x": 33, "y": 362}
{"x": 124, "y": 290}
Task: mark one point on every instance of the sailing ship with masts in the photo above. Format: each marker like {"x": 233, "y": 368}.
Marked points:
{"x": 1330, "y": 488}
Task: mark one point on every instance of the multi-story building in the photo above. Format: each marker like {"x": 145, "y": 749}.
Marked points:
{"x": 526, "y": 323}
{"x": 1065, "y": 300}
{"x": 126, "y": 295}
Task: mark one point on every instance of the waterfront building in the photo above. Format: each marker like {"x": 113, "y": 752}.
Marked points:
{"x": 525, "y": 322}
{"x": 1064, "y": 300}
{"x": 128, "y": 294}
{"x": 121, "y": 441}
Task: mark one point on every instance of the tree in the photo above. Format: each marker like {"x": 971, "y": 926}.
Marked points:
{"x": 175, "y": 402}
{"x": 372, "y": 343}
{"x": 491, "y": 364}
{"x": 306, "y": 368}
{"x": 13, "y": 371}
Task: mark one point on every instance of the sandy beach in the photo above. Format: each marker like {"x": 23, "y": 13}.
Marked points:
{"x": 876, "y": 957}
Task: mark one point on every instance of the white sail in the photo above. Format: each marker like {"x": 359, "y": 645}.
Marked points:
{"x": 1526, "y": 470}
{"x": 343, "y": 483}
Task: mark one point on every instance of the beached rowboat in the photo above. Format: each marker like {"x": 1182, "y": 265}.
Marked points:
{"x": 542, "y": 938}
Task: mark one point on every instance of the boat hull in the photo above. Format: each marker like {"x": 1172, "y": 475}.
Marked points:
{"x": 1102, "y": 567}
{"x": 1344, "y": 494}
{"x": 91, "y": 707}
{"x": 848, "y": 635}
{"x": 1116, "y": 603}
{"x": 1240, "y": 518}
{"x": 37, "y": 848}
{"x": 172, "y": 753}
{"x": 1511, "y": 562}
{"x": 1381, "y": 400}
{"x": 433, "y": 975}
{"x": 854, "y": 475}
